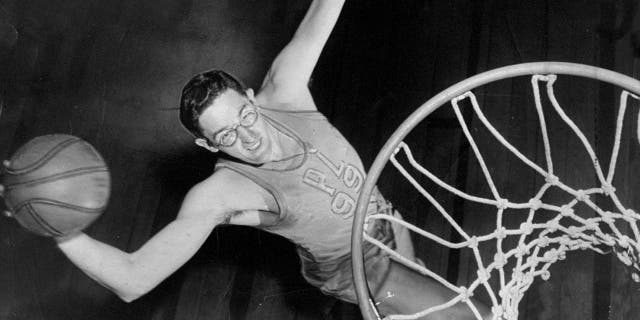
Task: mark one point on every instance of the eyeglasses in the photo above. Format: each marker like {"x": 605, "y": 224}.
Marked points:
{"x": 228, "y": 136}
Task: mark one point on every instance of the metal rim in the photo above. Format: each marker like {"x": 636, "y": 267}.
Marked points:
{"x": 367, "y": 305}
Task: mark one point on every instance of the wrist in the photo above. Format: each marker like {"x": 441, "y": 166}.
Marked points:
{"x": 68, "y": 237}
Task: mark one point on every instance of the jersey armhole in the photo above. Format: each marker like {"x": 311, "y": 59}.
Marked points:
{"x": 278, "y": 198}
{"x": 309, "y": 114}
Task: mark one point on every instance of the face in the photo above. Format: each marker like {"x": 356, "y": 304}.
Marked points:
{"x": 232, "y": 114}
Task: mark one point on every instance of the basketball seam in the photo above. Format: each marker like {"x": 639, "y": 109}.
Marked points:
{"x": 41, "y": 221}
{"x": 52, "y": 153}
{"x": 66, "y": 174}
{"x": 28, "y": 203}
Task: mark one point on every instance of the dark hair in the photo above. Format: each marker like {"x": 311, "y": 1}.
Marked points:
{"x": 200, "y": 92}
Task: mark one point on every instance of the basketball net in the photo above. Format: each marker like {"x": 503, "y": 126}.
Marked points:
{"x": 539, "y": 244}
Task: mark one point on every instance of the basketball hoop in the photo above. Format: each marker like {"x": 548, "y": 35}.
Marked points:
{"x": 533, "y": 255}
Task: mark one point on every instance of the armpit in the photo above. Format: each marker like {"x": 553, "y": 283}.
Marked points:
{"x": 253, "y": 218}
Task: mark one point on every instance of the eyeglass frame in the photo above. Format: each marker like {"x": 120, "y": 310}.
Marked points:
{"x": 217, "y": 143}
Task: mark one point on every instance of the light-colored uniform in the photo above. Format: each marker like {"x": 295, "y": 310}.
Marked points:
{"x": 316, "y": 192}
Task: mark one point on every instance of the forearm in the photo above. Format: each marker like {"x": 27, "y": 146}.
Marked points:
{"x": 293, "y": 66}
{"x": 130, "y": 275}
{"x": 109, "y": 266}
{"x": 320, "y": 19}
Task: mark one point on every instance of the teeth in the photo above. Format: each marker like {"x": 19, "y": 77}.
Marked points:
{"x": 254, "y": 145}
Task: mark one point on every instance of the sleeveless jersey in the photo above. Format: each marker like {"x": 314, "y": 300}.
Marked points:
{"x": 316, "y": 197}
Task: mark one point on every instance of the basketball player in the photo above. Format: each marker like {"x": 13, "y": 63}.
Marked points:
{"x": 285, "y": 170}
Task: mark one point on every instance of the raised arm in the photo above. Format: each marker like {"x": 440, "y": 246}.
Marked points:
{"x": 131, "y": 275}
{"x": 290, "y": 71}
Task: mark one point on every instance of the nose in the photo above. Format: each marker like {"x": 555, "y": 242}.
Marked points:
{"x": 246, "y": 134}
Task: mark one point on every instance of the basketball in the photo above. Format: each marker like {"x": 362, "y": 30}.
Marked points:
{"x": 56, "y": 185}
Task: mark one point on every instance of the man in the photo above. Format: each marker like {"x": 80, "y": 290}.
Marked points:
{"x": 286, "y": 170}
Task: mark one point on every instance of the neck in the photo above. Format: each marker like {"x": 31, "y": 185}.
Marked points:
{"x": 288, "y": 147}
{"x": 284, "y": 147}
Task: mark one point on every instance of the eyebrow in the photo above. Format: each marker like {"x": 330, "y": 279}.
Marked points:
{"x": 244, "y": 106}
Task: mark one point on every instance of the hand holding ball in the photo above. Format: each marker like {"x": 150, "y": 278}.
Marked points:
{"x": 55, "y": 185}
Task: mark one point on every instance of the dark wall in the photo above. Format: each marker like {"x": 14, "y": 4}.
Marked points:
{"x": 111, "y": 72}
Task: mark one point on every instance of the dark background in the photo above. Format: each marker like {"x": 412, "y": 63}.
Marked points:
{"x": 111, "y": 71}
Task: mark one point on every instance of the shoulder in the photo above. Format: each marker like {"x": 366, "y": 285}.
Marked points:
{"x": 284, "y": 97}
{"x": 225, "y": 192}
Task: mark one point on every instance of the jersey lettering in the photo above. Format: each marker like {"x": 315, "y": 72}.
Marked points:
{"x": 337, "y": 169}
{"x": 341, "y": 203}
{"x": 317, "y": 180}
{"x": 352, "y": 178}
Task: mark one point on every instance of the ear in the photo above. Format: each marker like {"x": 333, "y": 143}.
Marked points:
{"x": 250, "y": 95}
{"x": 205, "y": 144}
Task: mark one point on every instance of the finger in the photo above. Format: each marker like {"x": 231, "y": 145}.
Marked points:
{"x": 6, "y": 163}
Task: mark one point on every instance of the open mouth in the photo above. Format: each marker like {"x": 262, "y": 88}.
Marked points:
{"x": 253, "y": 146}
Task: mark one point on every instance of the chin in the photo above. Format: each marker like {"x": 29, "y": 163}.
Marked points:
{"x": 255, "y": 157}
{"x": 260, "y": 152}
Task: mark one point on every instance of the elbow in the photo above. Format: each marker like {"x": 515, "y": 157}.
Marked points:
{"x": 133, "y": 283}
{"x": 131, "y": 294}
{"x": 133, "y": 288}
{"x": 128, "y": 298}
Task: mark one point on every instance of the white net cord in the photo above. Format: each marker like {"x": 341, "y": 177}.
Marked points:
{"x": 539, "y": 244}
